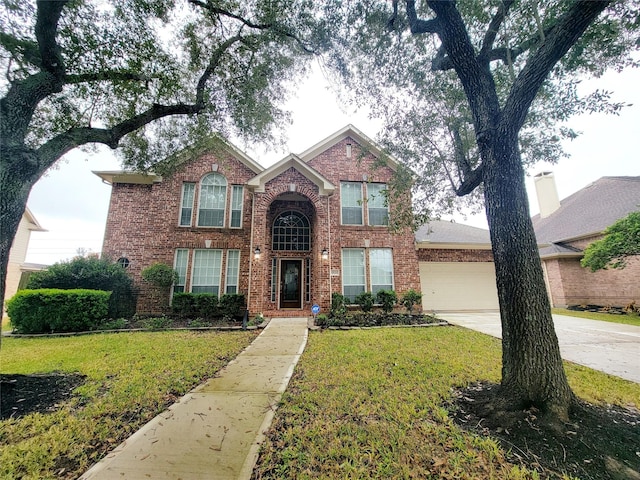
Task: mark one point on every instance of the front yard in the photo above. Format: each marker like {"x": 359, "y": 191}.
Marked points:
{"x": 373, "y": 403}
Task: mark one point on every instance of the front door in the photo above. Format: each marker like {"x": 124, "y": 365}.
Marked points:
{"x": 290, "y": 284}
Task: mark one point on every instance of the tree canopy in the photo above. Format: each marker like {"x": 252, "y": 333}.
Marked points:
{"x": 621, "y": 241}
{"x": 147, "y": 76}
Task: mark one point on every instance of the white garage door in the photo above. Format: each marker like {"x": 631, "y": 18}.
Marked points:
{"x": 458, "y": 286}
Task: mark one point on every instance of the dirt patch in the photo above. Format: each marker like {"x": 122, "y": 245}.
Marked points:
{"x": 599, "y": 443}
{"x": 24, "y": 394}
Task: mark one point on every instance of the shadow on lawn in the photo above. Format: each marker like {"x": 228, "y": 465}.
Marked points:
{"x": 600, "y": 442}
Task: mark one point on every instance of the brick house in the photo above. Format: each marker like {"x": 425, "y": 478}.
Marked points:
{"x": 286, "y": 236}
{"x": 565, "y": 228}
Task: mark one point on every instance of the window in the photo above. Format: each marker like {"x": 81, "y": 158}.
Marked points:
{"x": 377, "y": 204}
{"x": 211, "y": 204}
{"x": 381, "y": 269}
{"x": 123, "y": 262}
{"x": 180, "y": 265}
{"x": 186, "y": 207}
{"x": 351, "y": 202}
{"x": 353, "y": 281}
{"x": 236, "y": 206}
{"x": 207, "y": 265}
{"x": 233, "y": 271}
{"x": 274, "y": 278}
{"x": 291, "y": 232}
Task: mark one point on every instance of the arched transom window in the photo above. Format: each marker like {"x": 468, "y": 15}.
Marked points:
{"x": 213, "y": 198}
{"x": 291, "y": 232}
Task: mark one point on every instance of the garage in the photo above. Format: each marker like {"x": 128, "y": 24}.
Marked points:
{"x": 450, "y": 286}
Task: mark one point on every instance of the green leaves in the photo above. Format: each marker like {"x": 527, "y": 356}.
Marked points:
{"x": 621, "y": 240}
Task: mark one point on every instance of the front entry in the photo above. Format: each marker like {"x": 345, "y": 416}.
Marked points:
{"x": 291, "y": 284}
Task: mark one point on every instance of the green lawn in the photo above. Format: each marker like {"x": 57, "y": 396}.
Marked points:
{"x": 627, "y": 319}
{"x": 131, "y": 377}
{"x": 371, "y": 404}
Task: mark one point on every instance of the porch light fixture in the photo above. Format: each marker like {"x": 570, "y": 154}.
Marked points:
{"x": 325, "y": 254}
{"x": 256, "y": 253}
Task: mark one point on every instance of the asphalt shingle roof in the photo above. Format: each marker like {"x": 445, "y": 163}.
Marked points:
{"x": 589, "y": 211}
{"x": 441, "y": 231}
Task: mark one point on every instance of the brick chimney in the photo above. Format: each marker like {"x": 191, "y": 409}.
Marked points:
{"x": 547, "y": 193}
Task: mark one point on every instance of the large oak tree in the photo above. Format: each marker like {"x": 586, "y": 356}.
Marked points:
{"x": 148, "y": 76}
{"x": 473, "y": 92}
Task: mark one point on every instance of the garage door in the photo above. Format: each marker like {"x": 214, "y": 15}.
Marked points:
{"x": 458, "y": 286}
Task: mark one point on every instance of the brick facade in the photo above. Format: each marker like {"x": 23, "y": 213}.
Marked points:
{"x": 143, "y": 226}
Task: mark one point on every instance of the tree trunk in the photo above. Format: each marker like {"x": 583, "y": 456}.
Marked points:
{"x": 532, "y": 369}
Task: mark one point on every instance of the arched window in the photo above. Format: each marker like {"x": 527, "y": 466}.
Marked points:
{"x": 291, "y": 232}
{"x": 213, "y": 198}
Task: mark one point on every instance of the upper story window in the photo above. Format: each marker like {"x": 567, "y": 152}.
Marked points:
{"x": 186, "y": 206}
{"x": 237, "y": 194}
{"x": 291, "y": 231}
{"x": 351, "y": 203}
{"x": 212, "y": 201}
{"x": 377, "y": 204}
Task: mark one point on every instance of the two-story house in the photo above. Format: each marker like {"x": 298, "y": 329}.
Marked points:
{"x": 286, "y": 237}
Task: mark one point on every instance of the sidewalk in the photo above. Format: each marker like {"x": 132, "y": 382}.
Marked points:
{"x": 214, "y": 432}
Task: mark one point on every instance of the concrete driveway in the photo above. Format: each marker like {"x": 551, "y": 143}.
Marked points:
{"x": 612, "y": 348}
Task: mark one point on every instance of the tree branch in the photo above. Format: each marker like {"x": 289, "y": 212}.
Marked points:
{"x": 417, "y": 25}
{"x": 492, "y": 30}
{"x": 472, "y": 180}
{"x": 104, "y": 76}
{"x": 560, "y": 38}
{"x": 48, "y": 16}
{"x": 248, "y": 23}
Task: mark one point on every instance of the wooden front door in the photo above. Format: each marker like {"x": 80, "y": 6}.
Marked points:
{"x": 291, "y": 284}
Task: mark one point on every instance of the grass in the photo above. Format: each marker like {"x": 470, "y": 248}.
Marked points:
{"x": 131, "y": 377}
{"x": 627, "y": 319}
{"x": 370, "y": 404}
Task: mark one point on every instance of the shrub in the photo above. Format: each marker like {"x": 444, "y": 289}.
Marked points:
{"x": 160, "y": 274}
{"x": 365, "y": 300}
{"x": 157, "y": 323}
{"x": 232, "y": 305}
{"x": 90, "y": 273}
{"x": 338, "y": 305}
{"x": 183, "y": 305}
{"x": 410, "y": 299}
{"x": 205, "y": 305}
{"x": 322, "y": 320}
{"x": 56, "y": 310}
{"x": 387, "y": 298}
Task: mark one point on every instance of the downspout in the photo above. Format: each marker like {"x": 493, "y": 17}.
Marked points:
{"x": 251, "y": 248}
{"x": 330, "y": 246}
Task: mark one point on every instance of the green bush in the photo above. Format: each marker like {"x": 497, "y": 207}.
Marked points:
{"x": 183, "y": 305}
{"x": 91, "y": 273}
{"x": 56, "y": 310}
{"x": 160, "y": 274}
{"x": 410, "y": 299}
{"x": 206, "y": 305}
{"x": 365, "y": 300}
{"x": 338, "y": 305}
{"x": 387, "y": 299}
{"x": 232, "y": 305}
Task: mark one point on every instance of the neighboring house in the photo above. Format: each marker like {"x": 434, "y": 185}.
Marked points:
{"x": 456, "y": 267}
{"x": 17, "y": 270}
{"x": 286, "y": 237}
{"x": 565, "y": 228}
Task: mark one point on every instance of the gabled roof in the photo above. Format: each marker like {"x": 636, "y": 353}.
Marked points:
{"x": 186, "y": 154}
{"x": 291, "y": 161}
{"x": 34, "y": 226}
{"x": 352, "y": 132}
{"x": 445, "y": 234}
{"x": 588, "y": 212}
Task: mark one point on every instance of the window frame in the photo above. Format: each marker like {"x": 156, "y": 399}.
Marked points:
{"x": 195, "y": 271}
{"x": 383, "y": 286}
{"x": 182, "y": 276}
{"x": 346, "y": 273}
{"x": 344, "y": 188}
{"x": 228, "y": 272}
{"x": 184, "y": 200}
{"x": 235, "y": 199}
{"x": 205, "y": 188}
{"x": 382, "y": 187}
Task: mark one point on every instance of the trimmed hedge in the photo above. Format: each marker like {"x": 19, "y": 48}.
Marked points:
{"x": 207, "y": 305}
{"x": 54, "y": 310}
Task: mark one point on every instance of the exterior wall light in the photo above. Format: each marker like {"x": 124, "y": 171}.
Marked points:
{"x": 325, "y": 254}
{"x": 256, "y": 253}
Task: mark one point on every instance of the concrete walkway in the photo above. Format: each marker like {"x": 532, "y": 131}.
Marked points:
{"x": 613, "y": 348}
{"x": 214, "y": 432}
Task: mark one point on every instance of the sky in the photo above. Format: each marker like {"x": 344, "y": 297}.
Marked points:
{"x": 71, "y": 203}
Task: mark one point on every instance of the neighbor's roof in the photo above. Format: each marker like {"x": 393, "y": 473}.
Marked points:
{"x": 447, "y": 234}
{"x": 590, "y": 211}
